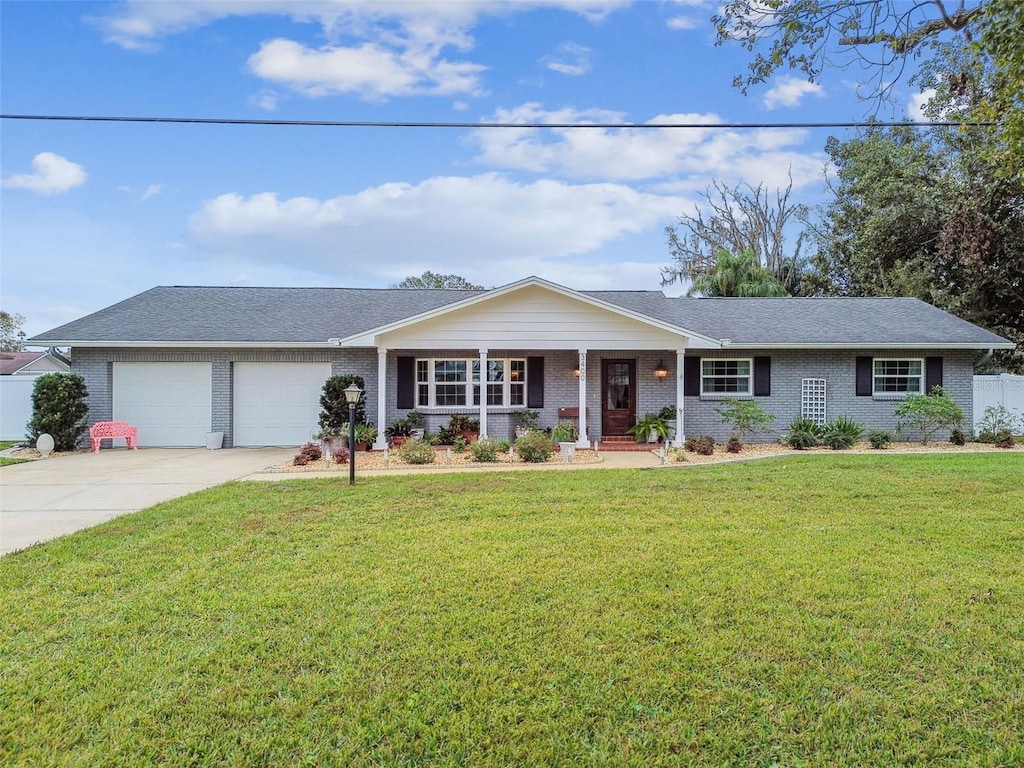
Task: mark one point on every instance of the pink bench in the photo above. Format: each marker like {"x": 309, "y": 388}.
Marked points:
{"x": 103, "y": 430}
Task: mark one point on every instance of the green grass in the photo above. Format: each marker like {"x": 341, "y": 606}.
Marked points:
{"x": 4, "y": 460}
{"x": 808, "y": 611}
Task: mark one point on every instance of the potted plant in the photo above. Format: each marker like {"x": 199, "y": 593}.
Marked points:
{"x": 366, "y": 434}
{"x": 525, "y": 421}
{"x": 650, "y": 429}
{"x": 566, "y": 433}
{"x": 416, "y": 421}
{"x": 464, "y": 426}
{"x": 668, "y": 414}
{"x": 399, "y": 432}
{"x": 332, "y": 439}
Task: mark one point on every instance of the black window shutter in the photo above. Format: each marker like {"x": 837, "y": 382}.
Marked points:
{"x": 864, "y": 374}
{"x": 762, "y": 377}
{"x": 691, "y": 376}
{"x": 535, "y": 382}
{"x": 407, "y": 382}
{"x": 932, "y": 373}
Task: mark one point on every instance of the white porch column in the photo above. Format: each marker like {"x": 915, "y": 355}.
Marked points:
{"x": 680, "y": 392}
{"x": 382, "y": 401}
{"x": 584, "y": 439}
{"x": 483, "y": 393}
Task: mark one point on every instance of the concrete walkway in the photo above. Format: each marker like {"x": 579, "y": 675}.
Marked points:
{"x": 41, "y": 500}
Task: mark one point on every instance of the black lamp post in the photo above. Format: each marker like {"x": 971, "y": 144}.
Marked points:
{"x": 352, "y": 394}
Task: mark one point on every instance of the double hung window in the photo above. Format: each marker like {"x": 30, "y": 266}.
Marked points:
{"x": 726, "y": 377}
{"x": 455, "y": 383}
{"x": 898, "y": 376}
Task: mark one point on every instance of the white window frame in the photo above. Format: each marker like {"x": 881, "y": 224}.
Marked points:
{"x": 471, "y": 384}
{"x": 727, "y": 395}
{"x": 900, "y": 393}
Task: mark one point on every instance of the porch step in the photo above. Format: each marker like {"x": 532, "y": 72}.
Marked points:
{"x": 608, "y": 445}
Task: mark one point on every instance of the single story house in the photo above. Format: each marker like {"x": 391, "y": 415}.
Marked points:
{"x": 180, "y": 361}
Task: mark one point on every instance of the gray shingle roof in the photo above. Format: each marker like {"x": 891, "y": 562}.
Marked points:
{"x": 246, "y": 315}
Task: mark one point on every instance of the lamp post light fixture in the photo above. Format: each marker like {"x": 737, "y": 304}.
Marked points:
{"x": 352, "y": 395}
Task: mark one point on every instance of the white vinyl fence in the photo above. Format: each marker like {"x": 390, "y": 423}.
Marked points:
{"x": 15, "y": 405}
{"x": 1005, "y": 389}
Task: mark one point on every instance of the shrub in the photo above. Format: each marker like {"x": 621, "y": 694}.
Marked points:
{"x": 417, "y": 452}
{"x": 956, "y": 437}
{"x": 1004, "y": 439}
{"x": 929, "y": 413}
{"x": 848, "y": 427}
{"x": 994, "y": 420}
{"x": 340, "y": 456}
{"x": 837, "y": 439}
{"x": 705, "y": 445}
{"x": 879, "y": 439}
{"x": 485, "y": 450}
{"x": 679, "y": 454}
{"x": 307, "y": 453}
{"x": 59, "y": 409}
{"x": 459, "y": 444}
{"x": 534, "y": 447}
{"x": 504, "y": 446}
{"x": 745, "y": 416}
{"x": 332, "y": 401}
{"x": 691, "y": 444}
{"x": 802, "y": 433}
{"x": 734, "y": 445}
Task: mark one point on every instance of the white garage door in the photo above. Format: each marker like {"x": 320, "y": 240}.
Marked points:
{"x": 170, "y": 403}
{"x": 277, "y": 403}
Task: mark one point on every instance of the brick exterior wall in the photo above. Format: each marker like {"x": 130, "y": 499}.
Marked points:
{"x": 788, "y": 368}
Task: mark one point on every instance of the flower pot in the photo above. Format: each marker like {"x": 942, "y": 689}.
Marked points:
{"x": 214, "y": 440}
{"x": 469, "y": 435}
{"x": 568, "y": 451}
{"x": 399, "y": 441}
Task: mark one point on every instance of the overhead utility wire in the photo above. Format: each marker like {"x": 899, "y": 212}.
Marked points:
{"x": 427, "y": 124}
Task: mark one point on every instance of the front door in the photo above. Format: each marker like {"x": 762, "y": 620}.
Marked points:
{"x": 618, "y": 396}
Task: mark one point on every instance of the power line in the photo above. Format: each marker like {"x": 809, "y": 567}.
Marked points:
{"x": 478, "y": 125}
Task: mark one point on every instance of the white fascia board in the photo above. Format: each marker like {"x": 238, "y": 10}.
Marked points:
{"x": 368, "y": 338}
{"x": 195, "y": 344}
{"x": 877, "y": 345}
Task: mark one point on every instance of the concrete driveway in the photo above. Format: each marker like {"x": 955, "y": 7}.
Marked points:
{"x": 44, "y": 499}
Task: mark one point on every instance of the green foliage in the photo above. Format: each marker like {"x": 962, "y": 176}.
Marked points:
{"x": 879, "y": 439}
{"x": 1001, "y": 40}
{"x": 459, "y": 444}
{"x": 668, "y": 413}
{"x": 740, "y": 275}
{"x": 745, "y": 416}
{"x": 527, "y": 419}
{"x": 417, "y": 452}
{"x": 433, "y": 280}
{"x": 928, "y": 413}
{"x": 534, "y": 447}
{"x": 415, "y": 419}
{"x": 334, "y": 413}
{"x": 740, "y": 220}
{"x": 841, "y": 433}
{"x": 399, "y": 428}
{"x": 461, "y": 422}
{"x": 651, "y": 425}
{"x": 957, "y": 437}
{"x": 485, "y": 451}
{"x": 803, "y": 433}
{"x": 565, "y": 432}
{"x": 12, "y": 338}
{"x": 996, "y": 419}
{"x": 1004, "y": 439}
{"x": 59, "y": 409}
{"x": 366, "y": 433}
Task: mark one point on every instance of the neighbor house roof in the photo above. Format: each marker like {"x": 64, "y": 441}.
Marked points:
{"x": 245, "y": 316}
{"x": 13, "y": 362}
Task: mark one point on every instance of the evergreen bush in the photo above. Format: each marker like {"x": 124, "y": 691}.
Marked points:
{"x": 59, "y": 409}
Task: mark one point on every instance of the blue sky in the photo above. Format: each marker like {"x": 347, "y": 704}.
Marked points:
{"x": 95, "y": 212}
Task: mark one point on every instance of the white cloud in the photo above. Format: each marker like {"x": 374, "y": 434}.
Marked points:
{"x": 572, "y": 59}
{"x": 918, "y": 103}
{"x": 369, "y": 69}
{"x": 398, "y": 228}
{"x": 789, "y": 91}
{"x": 682, "y": 22}
{"x": 266, "y": 99}
{"x": 152, "y": 191}
{"x": 686, "y": 157}
{"x": 51, "y": 175}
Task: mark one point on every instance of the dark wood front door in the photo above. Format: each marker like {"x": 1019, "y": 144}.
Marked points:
{"x": 618, "y": 396}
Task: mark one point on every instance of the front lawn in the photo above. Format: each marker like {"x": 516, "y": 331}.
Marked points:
{"x": 812, "y": 610}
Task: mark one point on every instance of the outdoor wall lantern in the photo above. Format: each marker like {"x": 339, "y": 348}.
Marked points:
{"x": 576, "y": 372}
{"x": 352, "y": 395}
{"x": 661, "y": 372}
